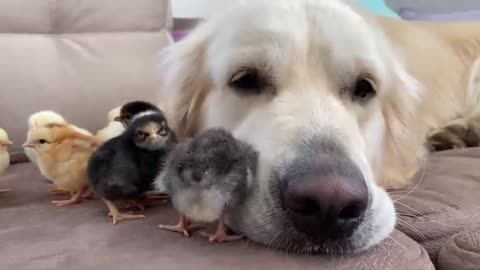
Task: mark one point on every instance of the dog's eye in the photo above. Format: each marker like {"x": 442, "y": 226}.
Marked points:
{"x": 364, "y": 90}
{"x": 250, "y": 81}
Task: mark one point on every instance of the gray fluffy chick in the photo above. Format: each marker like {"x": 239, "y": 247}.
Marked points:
{"x": 206, "y": 177}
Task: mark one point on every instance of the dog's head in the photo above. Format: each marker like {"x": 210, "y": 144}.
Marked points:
{"x": 316, "y": 89}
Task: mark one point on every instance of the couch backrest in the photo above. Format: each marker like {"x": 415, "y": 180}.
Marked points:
{"x": 78, "y": 57}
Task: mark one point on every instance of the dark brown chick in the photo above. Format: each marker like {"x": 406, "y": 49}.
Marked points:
{"x": 130, "y": 109}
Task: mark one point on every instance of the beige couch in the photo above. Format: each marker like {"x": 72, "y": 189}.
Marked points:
{"x": 84, "y": 57}
{"x": 78, "y": 57}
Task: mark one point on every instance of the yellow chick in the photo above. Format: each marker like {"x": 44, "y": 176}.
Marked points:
{"x": 41, "y": 119}
{"x": 62, "y": 153}
{"x": 4, "y": 156}
{"x": 113, "y": 129}
{"x": 44, "y": 118}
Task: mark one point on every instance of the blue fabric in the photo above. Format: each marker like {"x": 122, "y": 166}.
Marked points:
{"x": 379, "y": 7}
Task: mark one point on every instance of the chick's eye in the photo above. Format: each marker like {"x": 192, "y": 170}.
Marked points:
{"x": 181, "y": 168}
{"x": 141, "y": 134}
{"x": 364, "y": 90}
{"x": 249, "y": 81}
{"x": 42, "y": 141}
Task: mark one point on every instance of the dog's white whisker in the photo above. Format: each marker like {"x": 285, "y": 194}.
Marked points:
{"x": 426, "y": 204}
{"x": 423, "y": 169}
{"x": 415, "y": 230}
{"x": 438, "y": 221}
{"x": 398, "y": 243}
{"x": 419, "y": 213}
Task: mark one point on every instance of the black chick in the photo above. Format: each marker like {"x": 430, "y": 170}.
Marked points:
{"x": 206, "y": 178}
{"x": 131, "y": 109}
{"x": 126, "y": 166}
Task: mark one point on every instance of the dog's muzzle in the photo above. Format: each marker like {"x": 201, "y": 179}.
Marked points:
{"x": 325, "y": 196}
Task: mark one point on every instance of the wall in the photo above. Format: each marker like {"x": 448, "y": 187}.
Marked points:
{"x": 196, "y": 8}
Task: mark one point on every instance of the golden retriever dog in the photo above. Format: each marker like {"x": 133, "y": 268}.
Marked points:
{"x": 338, "y": 102}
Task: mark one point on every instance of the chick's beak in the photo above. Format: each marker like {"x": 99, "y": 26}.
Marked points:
{"x": 118, "y": 119}
{"x": 6, "y": 143}
{"x": 29, "y": 145}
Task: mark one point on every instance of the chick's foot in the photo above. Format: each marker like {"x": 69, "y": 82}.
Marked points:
{"x": 117, "y": 216}
{"x": 182, "y": 227}
{"x": 220, "y": 235}
{"x": 88, "y": 195}
{"x": 121, "y": 216}
{"x": 77, "y": 198}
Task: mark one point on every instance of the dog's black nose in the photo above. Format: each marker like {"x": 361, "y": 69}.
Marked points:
{"x": 325, "y": 199}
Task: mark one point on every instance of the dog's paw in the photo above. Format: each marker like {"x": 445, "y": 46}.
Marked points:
{"x": 454, "y": 136}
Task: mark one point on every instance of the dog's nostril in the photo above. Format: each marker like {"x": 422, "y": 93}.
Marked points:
{"x": 306, "y": 207}
{"x": 353, "y": 211}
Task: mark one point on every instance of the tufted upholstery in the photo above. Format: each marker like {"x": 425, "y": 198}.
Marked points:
{"x": 78, "y": 57}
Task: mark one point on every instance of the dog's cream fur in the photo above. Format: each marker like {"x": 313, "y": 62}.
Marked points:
{"x": 423, "y": 74}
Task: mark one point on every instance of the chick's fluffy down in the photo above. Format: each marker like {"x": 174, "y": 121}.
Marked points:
{"x": 109, "y": 163}
{"x": 64, "y": 158}
{"x": 43, "y": 119}
{"x": 204, "y": 206}
{"x": 113, "y": 128}
{"x": 4, "y": 155}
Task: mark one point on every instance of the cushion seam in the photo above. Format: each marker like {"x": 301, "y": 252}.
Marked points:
{"x": 162, "y": 30}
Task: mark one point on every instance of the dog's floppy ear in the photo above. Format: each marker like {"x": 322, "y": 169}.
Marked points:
{"x": 184, "y": 83}
{"x": 404, "y": 146}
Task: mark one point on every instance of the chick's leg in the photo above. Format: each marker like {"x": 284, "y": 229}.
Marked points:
{"x": 59, "y": 191}
{"x": 4, "y": 190}
{"x": 136, "y": 204}
{"x": 145, "y": 202}
{"x": 88, "y": 195}
{"x": 220, "y": 235}
{"x": 76, "y": 198}
{"x": 183, "y": 227}
{"x": 117, "y": 216}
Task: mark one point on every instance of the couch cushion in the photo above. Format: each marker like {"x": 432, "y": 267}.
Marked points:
{"x": 443, "y": 200}
{"x": 461, "y": 252}
{"x": 85, "y": 16}
{"x": 37, "y": 235}
{"x": 80, "y": 58}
